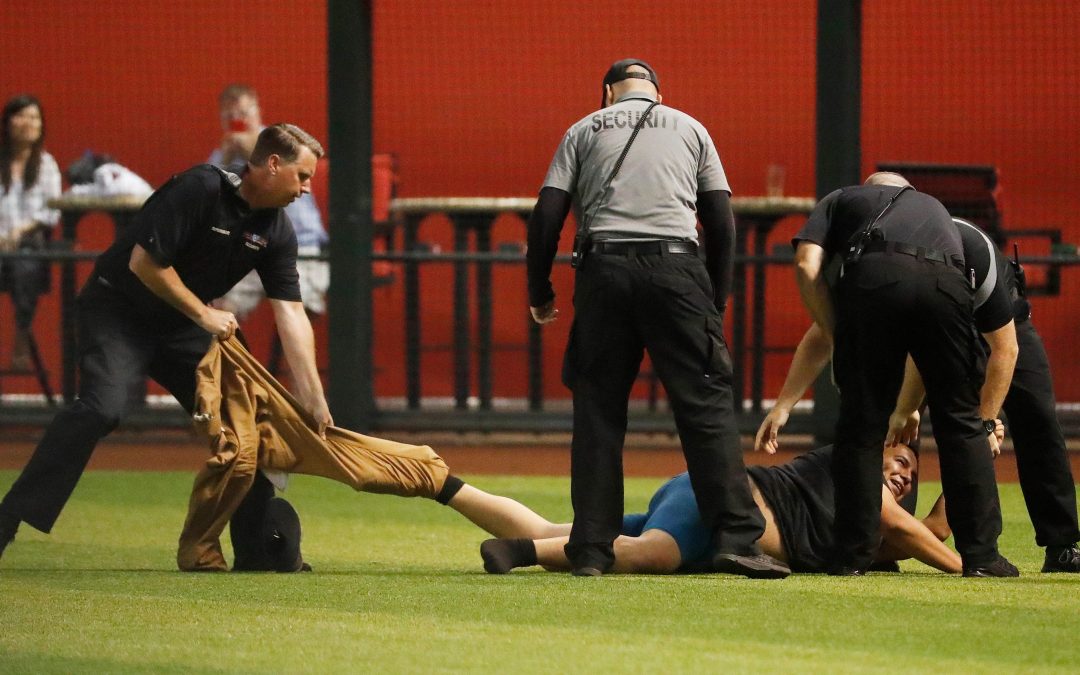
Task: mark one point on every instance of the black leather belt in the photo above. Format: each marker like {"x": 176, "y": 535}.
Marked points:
{"x": 642, "y": 247}
{"x": 933, "y": 255}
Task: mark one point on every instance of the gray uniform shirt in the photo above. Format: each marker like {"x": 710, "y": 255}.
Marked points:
{"x": 672, "y": 159}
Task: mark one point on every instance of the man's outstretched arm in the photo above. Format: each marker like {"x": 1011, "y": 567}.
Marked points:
{"x": 904, "y": 536}
{"x": 811, "y": 357}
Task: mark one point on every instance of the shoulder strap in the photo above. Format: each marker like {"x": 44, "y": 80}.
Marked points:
{"x": 584, "y": 230}
{"x": 857, "y": 242}
{"x": 230, "y": 177}
{"x": 873, "y": 221}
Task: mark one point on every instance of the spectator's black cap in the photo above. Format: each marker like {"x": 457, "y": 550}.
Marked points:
{"x": 273, "y": 541}
{"x": 281, "y": 536}
{"x": 618, "y": 72}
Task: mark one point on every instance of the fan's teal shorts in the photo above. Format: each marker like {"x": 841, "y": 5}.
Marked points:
{"x": 673, "y": 509}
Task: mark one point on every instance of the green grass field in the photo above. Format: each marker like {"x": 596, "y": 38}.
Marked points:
{"x": 398, "y": 587}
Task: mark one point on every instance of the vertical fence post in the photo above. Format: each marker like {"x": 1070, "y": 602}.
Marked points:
{"x": 839, "y": 91}
{"x": 352, "y": 395}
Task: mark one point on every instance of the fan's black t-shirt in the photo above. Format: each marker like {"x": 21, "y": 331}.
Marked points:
{"x": 198, "y": 224}
{"x": 800, "y": 494}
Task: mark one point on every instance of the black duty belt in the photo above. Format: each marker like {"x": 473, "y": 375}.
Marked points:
{"x": 921, "y": 252}
{"x": 642, "y": 247}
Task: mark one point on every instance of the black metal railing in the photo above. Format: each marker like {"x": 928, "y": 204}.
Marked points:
{"x": 534, "y": 412}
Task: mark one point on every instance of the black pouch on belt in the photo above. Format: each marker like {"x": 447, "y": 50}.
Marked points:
{"x": 581, "y": 249}
{"x": 857, "y": 244}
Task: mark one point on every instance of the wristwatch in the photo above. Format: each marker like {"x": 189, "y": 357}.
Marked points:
{"x": 989, "y": 426}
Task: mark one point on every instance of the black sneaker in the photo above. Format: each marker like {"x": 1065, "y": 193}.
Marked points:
{"x": 9, "y": 525}
{"x": 884, "y": 566}
{"x": 846, "y": 571}
{"x": 587, "y": 571}
{"x": 756, "y": 566}
{"x": 1062, "y": 559}
{"x": 998, "y": 568}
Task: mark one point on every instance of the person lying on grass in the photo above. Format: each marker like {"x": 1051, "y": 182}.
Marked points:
{"x": 796, "y": 499}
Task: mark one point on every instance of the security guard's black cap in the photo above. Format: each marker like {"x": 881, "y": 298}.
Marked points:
{"x": 618, "y": 72}
{"x": 273, "y": 543}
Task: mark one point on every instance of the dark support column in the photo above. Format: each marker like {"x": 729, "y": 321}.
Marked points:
{"x": 69, "y": 354}
{"x": 462, "y": 367}
{"x": 839, "y": 91}
{"x": 412, "y": 315}
{"x": 738, "y": 326}
{"x": 352, "y": 396}
{"x": 483, "y": 312}
{"x": 536, "y": 366}
{"x": 535, "y": 355}
{"x": 762, "y": 227}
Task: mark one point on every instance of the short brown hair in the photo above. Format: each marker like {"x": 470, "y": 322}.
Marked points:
{"x": 234, "y": 92}
{"x": 285, "y": 141}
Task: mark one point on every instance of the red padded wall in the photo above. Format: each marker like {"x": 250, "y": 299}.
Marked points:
{"x": 472, "y": 96}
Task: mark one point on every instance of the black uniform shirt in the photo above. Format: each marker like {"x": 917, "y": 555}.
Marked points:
{"x": 992, "y": 273}
{"x": 198, "y": 224}
{"x": 914, "y": 218}
{"x": 801, "y": 496}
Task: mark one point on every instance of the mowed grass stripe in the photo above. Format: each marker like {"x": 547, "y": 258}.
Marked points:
{"x": 398, "y": 588}
{"x": 236, "y": 631}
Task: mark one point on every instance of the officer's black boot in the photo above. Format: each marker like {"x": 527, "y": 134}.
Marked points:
{"x": 1058, "y": 559}
{"x": 8, "y": 526}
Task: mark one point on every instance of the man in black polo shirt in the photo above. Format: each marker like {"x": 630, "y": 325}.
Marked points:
{"x": 145, "y": 312}
{"x": 899, "y": 286}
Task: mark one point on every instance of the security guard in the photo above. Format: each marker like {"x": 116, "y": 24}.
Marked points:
{"x": 1042, "y": 459}
{"x": 900, "y": 287}
{"x": 144, "y": 310}
{"x": 637, "y": 172}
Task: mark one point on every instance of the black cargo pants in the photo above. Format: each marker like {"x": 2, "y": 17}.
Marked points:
{"x": 659, "y": 302}
{"x": 889, "y": 305}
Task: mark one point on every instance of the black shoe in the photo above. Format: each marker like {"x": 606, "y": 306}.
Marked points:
{"x": 998, "y": 568}
{"x": 9, "y": 525}
{"x": 846, "y": 571}
{"x": 884, "y": 566}
{"x": 756, "y": 566}
{"x": 587, "y": 571}
{"x": 1058, "y": 559}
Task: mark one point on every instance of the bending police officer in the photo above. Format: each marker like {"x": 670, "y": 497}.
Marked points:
{"x": 894, "y": 258}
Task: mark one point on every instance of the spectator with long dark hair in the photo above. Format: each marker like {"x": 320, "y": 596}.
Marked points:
{"x": 29, "y": 178}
